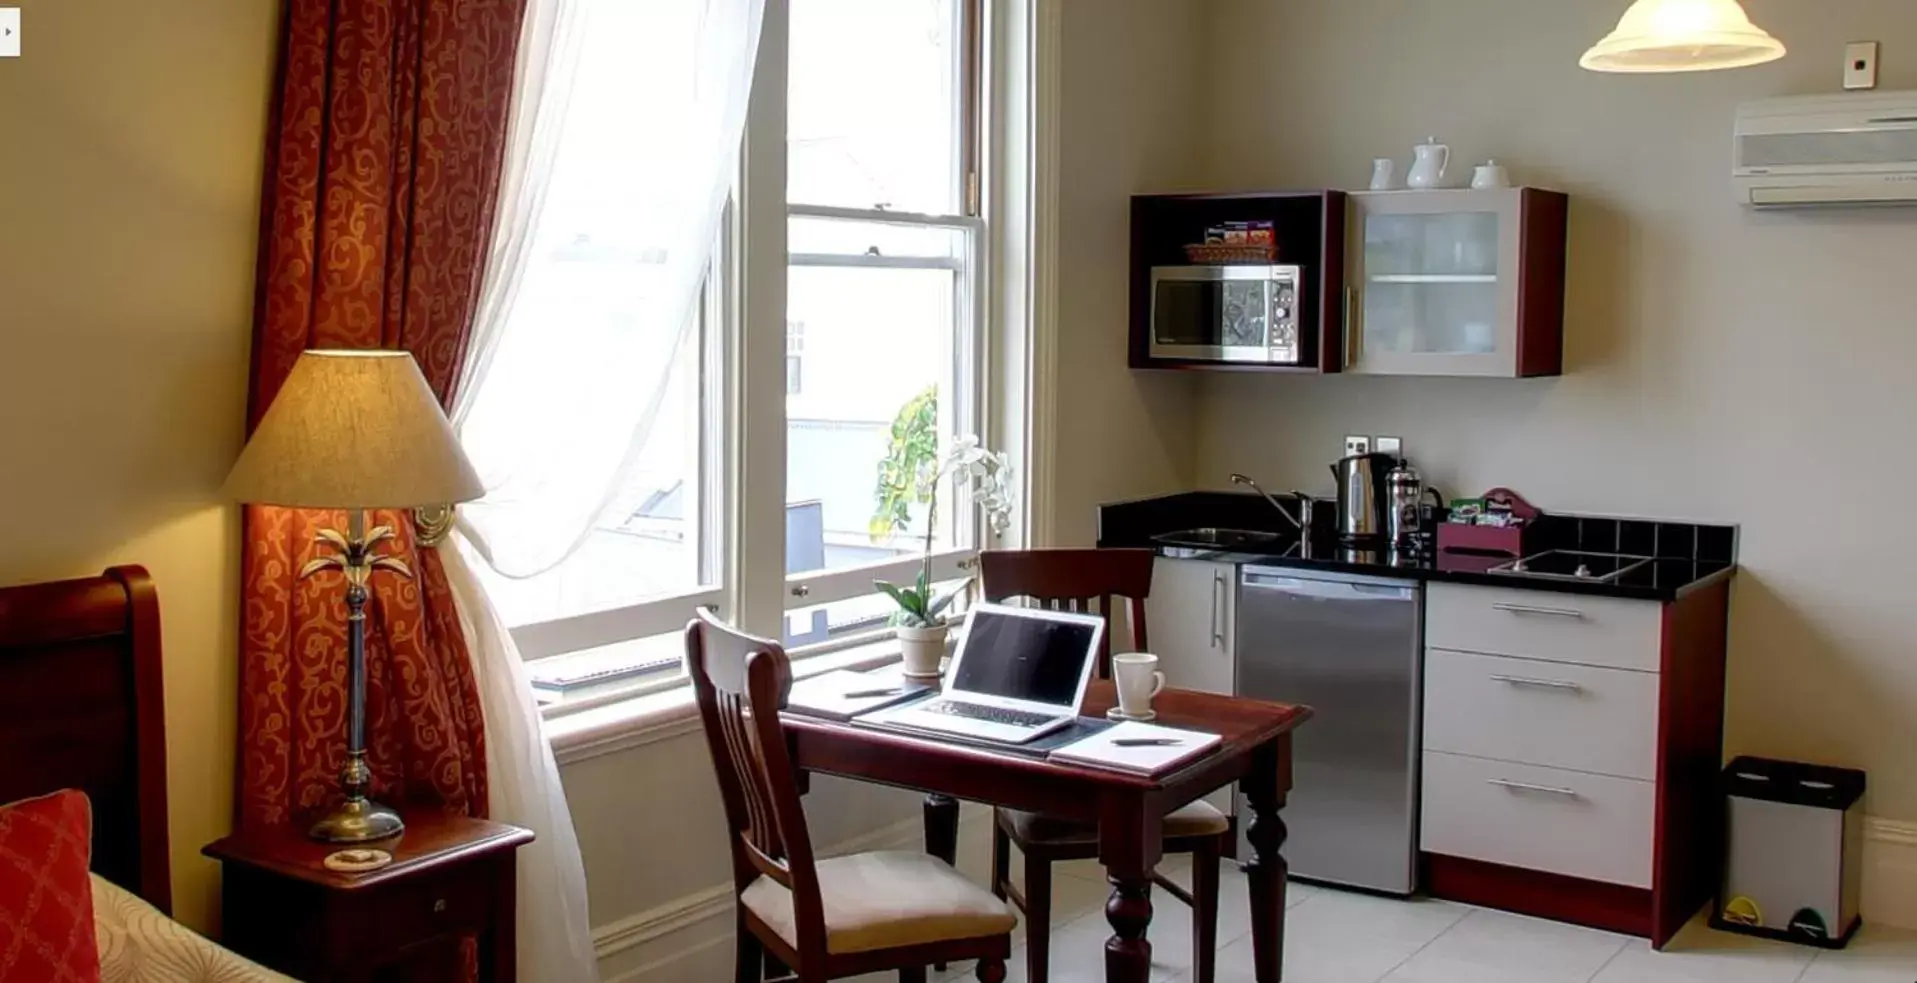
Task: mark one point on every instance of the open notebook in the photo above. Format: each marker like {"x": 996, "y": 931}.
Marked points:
{"x": 1107, "y": 749}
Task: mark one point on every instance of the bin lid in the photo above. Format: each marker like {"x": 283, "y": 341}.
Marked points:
{"x": 1796, "y": 783}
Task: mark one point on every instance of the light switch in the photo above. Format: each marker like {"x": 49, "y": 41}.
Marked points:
{"x": 9, "y": 32}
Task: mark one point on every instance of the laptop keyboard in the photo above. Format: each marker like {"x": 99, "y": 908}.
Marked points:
{"x": 996, "y": 715}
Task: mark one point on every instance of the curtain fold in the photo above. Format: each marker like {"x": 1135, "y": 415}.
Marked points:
{"x": 626, "y": 119}
{"x": 624, "y": 154}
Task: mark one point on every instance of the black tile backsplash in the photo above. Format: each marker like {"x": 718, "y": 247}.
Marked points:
{"x": 1676, "y": 539}
{"x": 1597, "y": 535}
{"x": 1636, "y": 537}
{"x": 1717, "y": 543}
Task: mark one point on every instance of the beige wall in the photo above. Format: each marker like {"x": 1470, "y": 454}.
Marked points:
{"x": 1721, "y": 364}
{"x": 1128, "y": 79}
{"x": 131, "y": 136}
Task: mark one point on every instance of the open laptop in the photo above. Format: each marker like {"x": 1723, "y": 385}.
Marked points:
{"x": 1019, "y": 674}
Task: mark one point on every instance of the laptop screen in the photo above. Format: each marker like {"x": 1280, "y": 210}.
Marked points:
{"x": 1024, "y": 658}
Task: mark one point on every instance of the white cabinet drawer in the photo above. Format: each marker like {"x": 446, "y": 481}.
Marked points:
{"x": 1565, "y": 822}
{"x": 1541, "y": 713}
{"x": 1594, "y": 631}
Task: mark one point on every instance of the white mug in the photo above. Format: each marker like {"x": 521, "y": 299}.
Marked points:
{"x": 1138, "y": 679}
{"x": 1489, "y": 175}
{"x": 1384, "y": 174}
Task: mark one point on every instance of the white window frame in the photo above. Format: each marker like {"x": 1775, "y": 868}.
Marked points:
{"x": 1006, "y": 176}
{"x": 968, "y": 415}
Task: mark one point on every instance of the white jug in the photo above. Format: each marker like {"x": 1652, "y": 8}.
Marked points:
{"x": 1427, "y": 171}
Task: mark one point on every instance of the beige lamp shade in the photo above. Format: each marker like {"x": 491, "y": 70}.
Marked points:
{"x": 1683, "y": 36}
{"x": 354, "y": 430}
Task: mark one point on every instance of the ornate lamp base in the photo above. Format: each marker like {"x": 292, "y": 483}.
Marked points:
{"x": 358, "y": 820}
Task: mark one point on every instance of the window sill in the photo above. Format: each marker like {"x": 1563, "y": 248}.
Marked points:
{"x": 661, "y": 716}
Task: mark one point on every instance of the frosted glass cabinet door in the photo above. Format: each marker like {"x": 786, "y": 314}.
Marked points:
{"x": 1435, "y": 277}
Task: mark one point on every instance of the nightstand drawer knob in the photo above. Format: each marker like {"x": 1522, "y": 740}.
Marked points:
{"x": 439, "y": 906}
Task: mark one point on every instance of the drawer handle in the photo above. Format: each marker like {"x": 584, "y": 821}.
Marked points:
{"x": 1546, "y": 612}
{"x": 1528, "y": 787}
{"x": 439, "y": 906}
{"x": 1545, "y": 683}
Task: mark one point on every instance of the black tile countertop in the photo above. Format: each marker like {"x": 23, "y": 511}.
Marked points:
{"x": 1688, "y": 556}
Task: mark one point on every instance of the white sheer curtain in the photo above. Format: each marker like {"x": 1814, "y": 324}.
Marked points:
{"x": 626, "y": 121}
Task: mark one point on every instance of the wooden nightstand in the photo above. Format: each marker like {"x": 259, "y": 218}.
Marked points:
{"x": 450, "y": 877}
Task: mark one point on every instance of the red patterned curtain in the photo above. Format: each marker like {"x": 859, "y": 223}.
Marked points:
{"x": 388, "y": 130}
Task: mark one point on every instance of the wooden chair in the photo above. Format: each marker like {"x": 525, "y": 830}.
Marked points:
{"x": 832, "y": 918}
{"x": 1087, "y": 580}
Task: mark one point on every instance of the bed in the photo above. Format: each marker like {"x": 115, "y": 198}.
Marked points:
{"x": 82, "y": 706}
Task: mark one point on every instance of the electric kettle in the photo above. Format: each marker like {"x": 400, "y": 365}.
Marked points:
{"x": 1363, "y": 498}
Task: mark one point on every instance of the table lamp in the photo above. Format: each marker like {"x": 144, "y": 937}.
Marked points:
{"x": 354, "y": 430}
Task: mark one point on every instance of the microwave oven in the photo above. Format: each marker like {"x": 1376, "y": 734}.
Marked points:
{"x": 1245, "y": 314}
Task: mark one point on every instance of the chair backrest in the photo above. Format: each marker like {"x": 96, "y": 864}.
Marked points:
{"x": 741, "y": 682}
{"x": 1083, "y": 580}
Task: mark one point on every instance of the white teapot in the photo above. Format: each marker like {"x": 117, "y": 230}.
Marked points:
{"x": 1427, "y": 167}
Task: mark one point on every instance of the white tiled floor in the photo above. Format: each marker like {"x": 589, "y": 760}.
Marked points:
{"x": 1342, "y": 937}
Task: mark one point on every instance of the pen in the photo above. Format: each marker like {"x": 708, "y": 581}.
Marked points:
{"x": 1146, "y": 742}
{"x": 888, "y": 691}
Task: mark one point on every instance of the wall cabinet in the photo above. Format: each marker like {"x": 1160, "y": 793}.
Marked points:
{"x": 1456, "y": 283}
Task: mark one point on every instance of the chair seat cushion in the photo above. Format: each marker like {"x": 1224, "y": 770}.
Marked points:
{"x": 885, "y": 900}
{"x": 1197, "y": 818}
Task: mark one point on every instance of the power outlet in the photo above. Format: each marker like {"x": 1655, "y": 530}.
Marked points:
{"x": 1393, "y": 446}
{"x": 1860, "y": 65}
{"x": 1357, "y": 446}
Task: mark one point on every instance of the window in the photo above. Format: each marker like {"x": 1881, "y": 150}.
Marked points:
{"x": 883, "y": 349}
{"x": 884, "y": 277}
{"x": 794, "y": 357}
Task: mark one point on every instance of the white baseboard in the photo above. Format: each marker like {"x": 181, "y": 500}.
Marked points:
{"x": 689, "y": 939}
{"x": 1890, "y": 873}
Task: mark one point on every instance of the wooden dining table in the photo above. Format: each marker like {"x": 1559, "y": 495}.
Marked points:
{"x": 1127, "y": 810}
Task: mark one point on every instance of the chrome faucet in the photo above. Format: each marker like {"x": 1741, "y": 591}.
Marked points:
{"x": 1301, "y": 521}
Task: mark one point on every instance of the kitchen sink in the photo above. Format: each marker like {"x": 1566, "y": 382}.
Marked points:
{"x": 1209, "y": 538}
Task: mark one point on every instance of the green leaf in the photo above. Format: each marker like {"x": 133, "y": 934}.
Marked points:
{"x": 908, "y": 473}
{"x": 939, "y": 606}
{"x": 907, "y": 601}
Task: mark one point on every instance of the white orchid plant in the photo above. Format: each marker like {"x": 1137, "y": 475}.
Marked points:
{"x": 987, "y": 477}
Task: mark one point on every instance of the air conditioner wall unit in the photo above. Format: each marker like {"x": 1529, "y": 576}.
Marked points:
{"x": 1829, "y": 151}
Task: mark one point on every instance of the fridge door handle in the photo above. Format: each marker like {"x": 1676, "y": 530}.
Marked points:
{"x": 1217, "y": 610}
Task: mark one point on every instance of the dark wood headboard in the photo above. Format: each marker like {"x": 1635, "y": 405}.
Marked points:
{"x": 82, "y": 706}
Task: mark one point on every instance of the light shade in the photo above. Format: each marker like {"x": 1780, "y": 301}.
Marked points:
{"x": 1683, "y": 36}
{"x": 354, "y": 430}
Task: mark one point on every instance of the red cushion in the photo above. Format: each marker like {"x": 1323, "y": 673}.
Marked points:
{"x": 46, "y": 898}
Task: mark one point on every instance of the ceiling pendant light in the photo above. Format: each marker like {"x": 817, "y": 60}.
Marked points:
{"x": 1683, "y": 36}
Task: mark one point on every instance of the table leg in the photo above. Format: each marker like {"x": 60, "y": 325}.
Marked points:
{"x": 1128, "y": 953}
{"x": 1129, "y": 845}
{"x": 941, "y": 827}
{"x": 1265, "y": 789}
{"x": 941, "y": 832}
